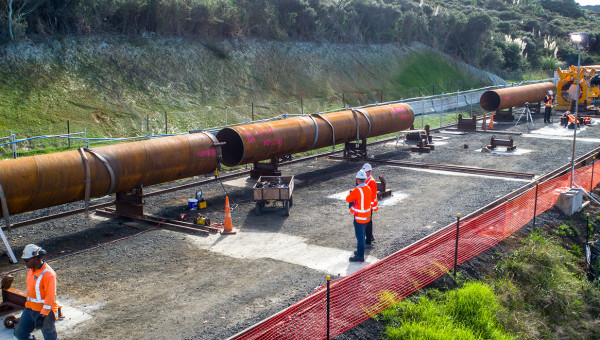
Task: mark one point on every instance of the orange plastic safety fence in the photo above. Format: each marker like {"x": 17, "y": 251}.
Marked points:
{"x": 363, "y": 294}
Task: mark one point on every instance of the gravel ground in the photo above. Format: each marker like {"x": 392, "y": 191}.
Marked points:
{"x": 161, "y": 284}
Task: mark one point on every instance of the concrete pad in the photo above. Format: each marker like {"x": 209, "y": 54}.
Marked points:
{"x": 502, "y": 151}
{"x": 243, "y": 182}
{"x": 282, "y": 247}
{"x": 567, "y": 138}
{"x": 396, "y": 197}
{"x": 73, "y": 317}
{"x": 556, "y": 130}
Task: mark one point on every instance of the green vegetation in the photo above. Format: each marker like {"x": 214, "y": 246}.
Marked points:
{"x": 540, "y": 291}
{"x": 469, "y": 312}
{"x": 125, "y": 87}
{"x": 492, "y": 34}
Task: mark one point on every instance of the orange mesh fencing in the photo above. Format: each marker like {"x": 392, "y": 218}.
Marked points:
{"x": 365, "y": 293}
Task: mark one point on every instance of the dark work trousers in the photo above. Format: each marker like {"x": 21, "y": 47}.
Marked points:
{"x": 369, "y": 231}
{"x": 26, "y": 325}
{"x": 547, "y": 114}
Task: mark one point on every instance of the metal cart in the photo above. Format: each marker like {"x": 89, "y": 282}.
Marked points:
{"x": 269, "y": 190}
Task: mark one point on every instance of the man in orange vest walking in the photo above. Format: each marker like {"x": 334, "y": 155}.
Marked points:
{"x": 40, "y": 308}
{"x": 548, "y": 107}
{"x": 374, "y": 202}
{"x": 360, "y": 206}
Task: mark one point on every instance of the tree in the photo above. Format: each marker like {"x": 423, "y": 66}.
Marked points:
{"x": 16, "y": 11}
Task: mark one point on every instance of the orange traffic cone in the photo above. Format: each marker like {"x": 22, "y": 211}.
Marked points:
{"x": 228, "y": 226}
{"x": 492, "y": 122}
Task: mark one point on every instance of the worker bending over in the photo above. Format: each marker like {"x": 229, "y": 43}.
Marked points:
{"x": 548, "y": 107}
{"x": 374, "y": 203}
{"x": 570, "y": 123}
{"x": 359, "y": 200}
{"x": 40, "y": 308}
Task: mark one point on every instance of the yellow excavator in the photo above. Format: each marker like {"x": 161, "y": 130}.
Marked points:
{"x": 589, "y": 88}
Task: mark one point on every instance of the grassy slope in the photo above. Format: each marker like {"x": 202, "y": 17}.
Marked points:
{"x": 112, "y": 85}
{"x": 540, "y": 291}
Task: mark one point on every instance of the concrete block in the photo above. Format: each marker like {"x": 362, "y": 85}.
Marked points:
{"x": 570, "y": 201}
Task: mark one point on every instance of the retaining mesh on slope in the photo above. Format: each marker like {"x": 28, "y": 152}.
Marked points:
{"x": 365, "y": 293}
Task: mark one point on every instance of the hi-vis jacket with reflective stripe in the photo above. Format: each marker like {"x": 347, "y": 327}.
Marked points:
{"x": 548, "y": 101}
{"x": 361, "y": 209}
{"x": 373, "y": 186}
{"x": 41, "y": 290}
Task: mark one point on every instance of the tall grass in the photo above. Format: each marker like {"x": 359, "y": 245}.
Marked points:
{"x": 540, "y": 291}
{"x": 465, "y": 313}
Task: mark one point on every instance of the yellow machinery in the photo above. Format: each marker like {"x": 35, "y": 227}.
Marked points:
{"x": 589, "y": 88}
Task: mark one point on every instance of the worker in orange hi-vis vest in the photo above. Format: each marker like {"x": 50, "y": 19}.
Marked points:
{"x": 40, "y": 308}
{"x": 374, "y": 202}
{"x": 548, "y": 107}
{"x": 360, "y": 206}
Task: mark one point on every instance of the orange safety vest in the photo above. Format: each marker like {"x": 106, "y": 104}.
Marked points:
{"x": 548, "y": 101}
{"x": 373, "y": 186}
{"x": 571, "y": 118}
{"x": 361, "y": 209}
{"x": 41, "y": 290}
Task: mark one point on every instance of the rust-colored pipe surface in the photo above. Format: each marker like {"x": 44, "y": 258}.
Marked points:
{"x": 256, "y": 142}
{"x": 43, "y": 181}
{"x": 514, "y": 96}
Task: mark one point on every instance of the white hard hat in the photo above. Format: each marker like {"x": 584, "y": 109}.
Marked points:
{"x": 550, "y": 92}
{"x": 361, "y": 175}
{"x": 31, "y": 250}
{"x": 367, "y": 167}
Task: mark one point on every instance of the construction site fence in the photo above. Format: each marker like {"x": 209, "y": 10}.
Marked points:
{"x": 435, "y": 110}
{"x": 342, "y": 304}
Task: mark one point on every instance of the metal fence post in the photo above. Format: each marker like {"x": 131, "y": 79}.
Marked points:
{"x": 68, "y": 134}
{"x": 148, "y": 125}
{"x": 87, "y": 143}
{"x": 166, "y": 130}
{"x": 328, "y": 305}
{"x": 587, "y": 229}
{"x": 422, "y": 113}
{"x": 457, "y": 95}
{"x": 592, "y": 180}
{"x": 226, "y": 115}
{"x": 537, "y": 184}
{"x": 13, "y": 139}
{"x": 456, "y": 246}
{"x": 253, "y": 111}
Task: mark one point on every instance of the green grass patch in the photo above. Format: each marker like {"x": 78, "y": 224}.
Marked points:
{"x": 469, "y": 312}
{"x": 540, "y": 291}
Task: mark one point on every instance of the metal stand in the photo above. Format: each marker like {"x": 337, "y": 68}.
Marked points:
{"x": 528, "y": 117}
{"x": 130, "y": 203}
{"x": 504, "y": 116}
{"x": 5, "y": 213}
{"x": 356, "y": 150}
{"x": 266, "y": 169}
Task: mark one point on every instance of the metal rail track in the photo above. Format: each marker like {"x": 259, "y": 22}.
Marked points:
{"x": 451, "y": 168}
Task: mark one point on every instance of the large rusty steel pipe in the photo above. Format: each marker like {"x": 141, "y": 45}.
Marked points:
{"x": 43, "y": 181}
{"x": 500, "y": 99}
{"x": 256, "y": 142}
